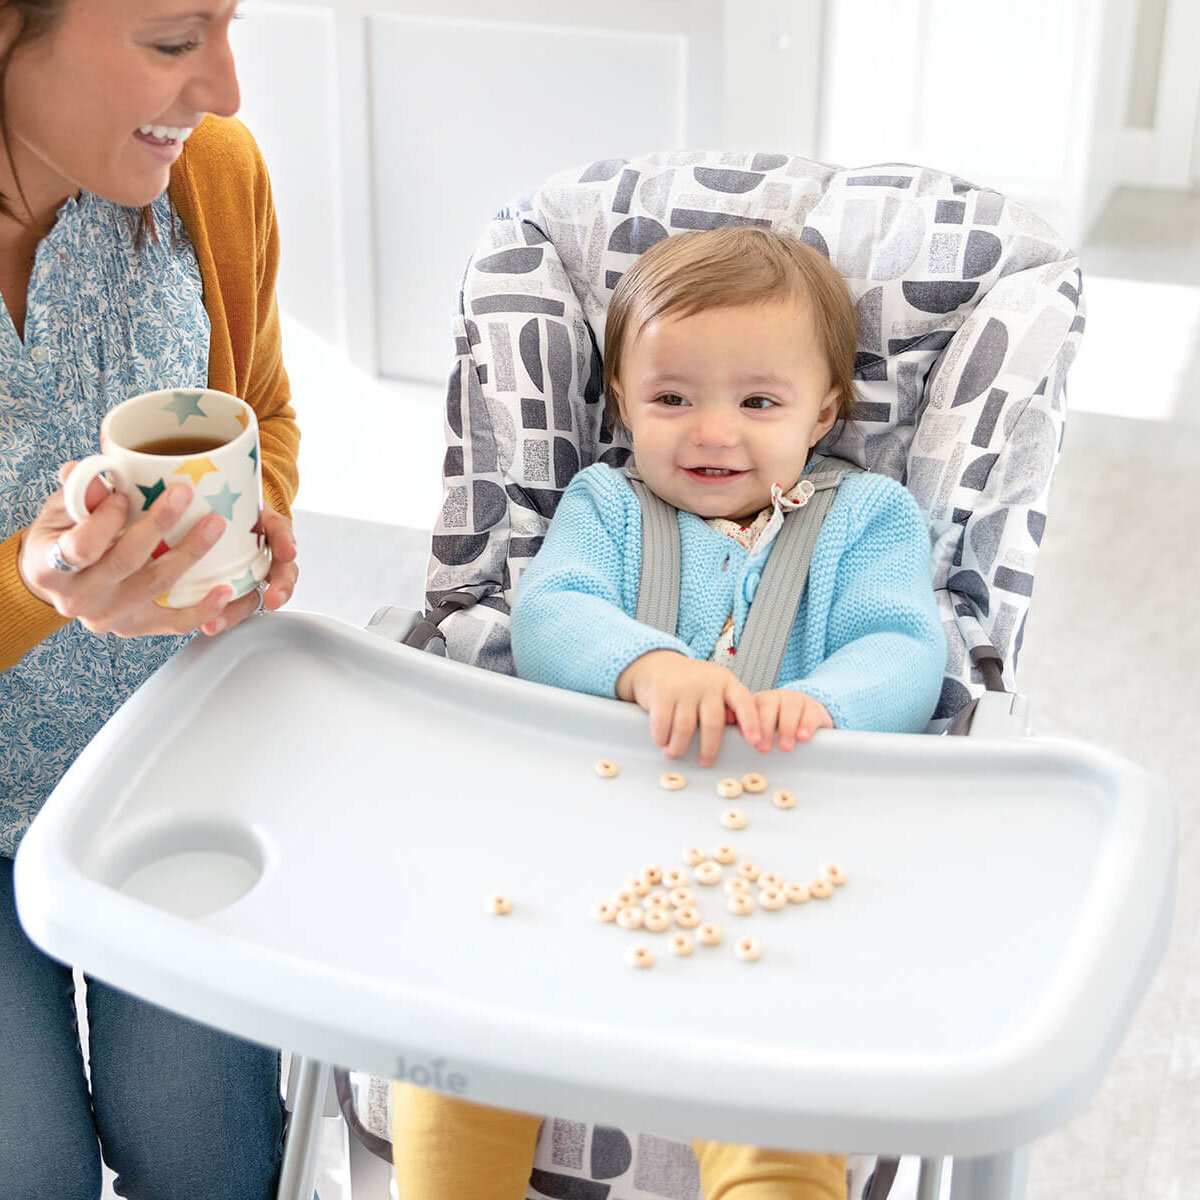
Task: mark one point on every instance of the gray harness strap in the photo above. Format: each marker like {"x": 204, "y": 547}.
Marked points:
{"x": 777, "y": 601}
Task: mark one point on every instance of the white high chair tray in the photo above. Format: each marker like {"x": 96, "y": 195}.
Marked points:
{"x": 291, "y": 830}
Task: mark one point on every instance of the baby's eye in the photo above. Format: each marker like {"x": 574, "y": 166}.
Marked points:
{"x": 759, "y": 402}
{"x": 672, "y": 399}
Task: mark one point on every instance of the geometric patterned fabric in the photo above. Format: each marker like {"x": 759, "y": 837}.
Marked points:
{"x": 970, "y": 314}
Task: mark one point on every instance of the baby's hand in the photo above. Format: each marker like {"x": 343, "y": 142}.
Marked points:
{"x": 794, "y": 715}
{"x": 680, "y": 693}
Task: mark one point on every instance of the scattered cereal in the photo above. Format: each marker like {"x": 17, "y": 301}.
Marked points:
{"x": 736, "y": 884}
{"x": 748, "y": 949}
{"x": 682, "y": 896}
{"x": 672, "y": 781}
{"x": 708, "y": 873}
{"x": 605, "y": 911}
{"x": 656, "y": 919}
{"x": 754, "y": 783}
{"x": 729, "y": 789}
{"x": 606, "y": 768}
{"x": 733, "y": 818}
{"x": 796, "y": 893}
{"x": 624, "y": 898}
{"x": 500, "y": 905}
{"x": 630, "y": 918}
{"x": 710, "y": 934}
{"x": 687, "y": 916}
{"x": 653, "y": 874}
{"x": 772, "y": 899}
{"x": 639, "y": 956}
{"x": 822, "y": 889}
{"x": 783, "y": 799}
{"x": 681, "y": 944}
{"x": 741, "y": 904}
{"x": 657, "y": 900}
{"x": 639, "y": 886}
{"x": 748, "y": 870}
{"x": 694, "y": 857}
{"x": 674, "y": 878}
{"x": 770, "y": 879}
{"x": 725, "y": 855}
{"x": 834, "y": 874}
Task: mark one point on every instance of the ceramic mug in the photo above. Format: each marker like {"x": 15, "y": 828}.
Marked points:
{"x": 201, "y": 437}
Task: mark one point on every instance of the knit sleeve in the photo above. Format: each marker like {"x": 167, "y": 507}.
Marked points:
{"x": 885, "y": 648}
{"x": 572, "y": 617}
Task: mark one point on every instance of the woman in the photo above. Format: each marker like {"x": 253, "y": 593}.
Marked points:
{"x": 129, "y": 262}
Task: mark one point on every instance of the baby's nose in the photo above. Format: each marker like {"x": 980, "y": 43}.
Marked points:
{"x": 713, "y": 429}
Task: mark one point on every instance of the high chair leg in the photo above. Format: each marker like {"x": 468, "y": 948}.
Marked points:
{"x": 929, "y": 1184}
{"x": 299, "y": 1169}
{"x": 996, "y": 1177}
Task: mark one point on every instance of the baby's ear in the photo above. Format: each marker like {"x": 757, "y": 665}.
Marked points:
{"x": 618, "y": 394}
{"x": 827, "y": 414}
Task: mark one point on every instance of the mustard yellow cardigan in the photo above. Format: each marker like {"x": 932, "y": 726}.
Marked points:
{"x": 220, "y": 189}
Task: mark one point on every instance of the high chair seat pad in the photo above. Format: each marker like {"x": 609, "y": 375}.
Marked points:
{"x": 970, "y": 313}
{"x": 291, "y": 831}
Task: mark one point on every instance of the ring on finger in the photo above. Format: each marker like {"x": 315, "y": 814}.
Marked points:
{"x": 261, "y": 589}
{"x": 56, "y": 559}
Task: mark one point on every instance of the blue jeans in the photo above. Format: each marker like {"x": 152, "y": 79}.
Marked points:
{"x": 178, "y": 1109}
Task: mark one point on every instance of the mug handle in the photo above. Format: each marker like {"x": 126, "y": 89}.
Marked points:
{"x": 75, "y": 489}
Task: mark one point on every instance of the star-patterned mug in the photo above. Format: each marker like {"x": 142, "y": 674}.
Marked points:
{"x": 201, "y": 437}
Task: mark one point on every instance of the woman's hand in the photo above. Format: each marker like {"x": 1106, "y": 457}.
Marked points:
{"x": 117, "y": 576}
{"x": 280, "y": 581}
{"x": 794, "y": 715}
{"x": 680, "y": 693}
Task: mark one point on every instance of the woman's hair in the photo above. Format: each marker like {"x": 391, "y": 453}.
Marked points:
{"x": 732, "y": 267}
{"x": 34, "y": 20}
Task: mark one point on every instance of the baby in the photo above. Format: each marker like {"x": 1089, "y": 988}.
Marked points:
{"x": 728, "y": 355}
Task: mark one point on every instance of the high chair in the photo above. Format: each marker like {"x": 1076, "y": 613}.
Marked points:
{"x": 1009, "y": 898}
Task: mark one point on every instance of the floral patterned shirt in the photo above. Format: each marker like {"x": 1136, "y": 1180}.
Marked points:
{"x": 105, "y": 320}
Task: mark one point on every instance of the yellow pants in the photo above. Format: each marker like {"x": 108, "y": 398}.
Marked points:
{"x": 453, "y": 1148}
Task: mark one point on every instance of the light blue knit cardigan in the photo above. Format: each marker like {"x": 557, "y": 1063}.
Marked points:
{"x": 867, "y": 643}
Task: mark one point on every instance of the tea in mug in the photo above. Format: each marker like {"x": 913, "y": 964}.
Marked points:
{"x": 180, "y": 445}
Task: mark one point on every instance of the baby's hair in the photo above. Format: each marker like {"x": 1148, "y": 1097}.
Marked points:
{"x": 731, "y": 267}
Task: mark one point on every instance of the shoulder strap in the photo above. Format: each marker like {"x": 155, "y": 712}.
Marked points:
{"x": 658, "y": 586}
{"x": 772, "y": 615}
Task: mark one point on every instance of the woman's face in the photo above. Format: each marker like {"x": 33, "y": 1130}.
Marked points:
{"x": 105, "y": 100}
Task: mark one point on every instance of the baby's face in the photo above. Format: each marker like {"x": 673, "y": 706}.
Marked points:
{"x": 724, "y": 403}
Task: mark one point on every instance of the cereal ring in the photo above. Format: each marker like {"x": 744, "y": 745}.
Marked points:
{"x": 740, "y": 904}
{"x": 656, "y": 919}
{"x": 783, "y": 799}
{"x": 834, "y": 874}
{"x": 623, "y": 899}
{"x": 687, "y": 916}
{"x": 694, "y": 857}
{"x": 754, "y": 783}
{"x": 772, "y": 899}
{"x": 708, "y": 873}
{"x": 733, "y": 818}
{"x": 681, "y": 944}
{"x": 639, "y": 886}
{"x": 674, "y": 878}
{"x": 500, "y": 905}
{"x": 630, "y": 918}
{"x": 653, "y": 874}
{"x": 681, "y": 897}
{"x": 605, "y": 911}
{"x": 729, "y": 789}
{"x": 606, "y": 768}
{"x": 748, "y": 949}
{"x": 710, "y": 934}
{"x": 770, "y": 879}
{"x": 748, "y": 871}
{"x": 822, "y": 889}
{"x": 639, "y": 956}
{"x": 671, "y": 781}
{"x": 796, "y": 893}
{"x": 657, "y": 900}
{"x": 725, "y": 855}
{"x": 736, "y": 884}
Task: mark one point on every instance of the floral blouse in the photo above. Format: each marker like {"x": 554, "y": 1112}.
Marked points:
{"x": 105, "y": 320}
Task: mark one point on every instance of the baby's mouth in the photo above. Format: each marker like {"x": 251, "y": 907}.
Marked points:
{"x": 713, "y": 472}
{"x": 165, "y": 135}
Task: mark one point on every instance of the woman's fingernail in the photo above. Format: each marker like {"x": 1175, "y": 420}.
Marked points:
{"x": 178, "y": 497}
{"x": 211, "y": 528}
